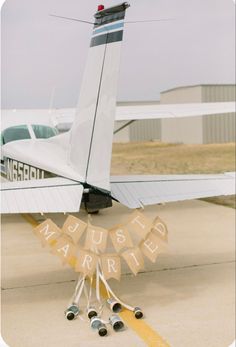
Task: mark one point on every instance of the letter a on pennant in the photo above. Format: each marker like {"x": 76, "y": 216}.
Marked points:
{"x": 74, "y": 227}
{"x": 139, "y": 223}
{"x": 48, "y": 232}
{"x": 65, "y": 249}
{"x": 134, "y": 259}
{"x": 111, "y": 267}
{"x": 96, "y": 238}
{"x": 86, "y": 262}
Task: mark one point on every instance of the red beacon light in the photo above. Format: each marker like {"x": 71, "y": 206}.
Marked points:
{"x": 100, "y": 7}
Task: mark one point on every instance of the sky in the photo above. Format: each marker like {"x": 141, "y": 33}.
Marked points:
{"x": 43, "y": 57}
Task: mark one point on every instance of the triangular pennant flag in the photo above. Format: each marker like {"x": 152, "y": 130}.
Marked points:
{"x": 152, "y": 246}
{"x": 65, "y": 249}
{"x": 86, "y": 262}
{"x": 139, "y": 223}
{"x": 74, "y": 227}
{"x": 111, "y": 267}
{"x": 134, "y": 259}
{"x": 160, "y": 228}
{"x": 48, "y": 232}
{"x": 120, "y": 237}
{"x": 96, "y": 238}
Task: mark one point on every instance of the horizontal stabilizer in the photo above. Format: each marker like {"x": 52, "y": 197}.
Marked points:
{"x": 161, "y": 111}
{"x": 45, "y": 195}
{"x": 138, "y": 191}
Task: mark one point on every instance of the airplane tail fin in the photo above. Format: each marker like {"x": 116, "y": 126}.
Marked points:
{"x": 92, "y": 131}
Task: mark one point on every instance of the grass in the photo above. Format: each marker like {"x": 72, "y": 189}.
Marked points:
{"x": 163, "y": 158}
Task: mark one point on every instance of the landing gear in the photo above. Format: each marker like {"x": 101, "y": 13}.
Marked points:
{"x": 95, "y": 200}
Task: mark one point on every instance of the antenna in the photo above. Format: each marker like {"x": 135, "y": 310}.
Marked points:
{"x": 73, "y": 19}
{"x": 128, "y": 22}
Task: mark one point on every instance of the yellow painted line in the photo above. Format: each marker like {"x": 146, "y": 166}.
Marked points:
{"x": 142, "y": 329}
{"x": 30, "y": 220}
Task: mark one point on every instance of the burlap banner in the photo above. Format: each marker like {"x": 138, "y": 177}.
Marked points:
{"x": 48, "y": 232}
{"x": 86, "y": 262}
{"x": 120, "y": 238}
{"x": 152, "y": 246}
{"x": 139, "y": 223}
{"x": 74, "y": 227}
{"x": 65, "y": 249}
{"x": 134, "y": 259}
{"x": 111, "y": 266}
{"x": 96, "y": 238}
{"x": 160, "y": 228}
{"x": 66, "y": 245}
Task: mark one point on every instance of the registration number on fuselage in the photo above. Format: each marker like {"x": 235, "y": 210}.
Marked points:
{"x": 17, "y": 171}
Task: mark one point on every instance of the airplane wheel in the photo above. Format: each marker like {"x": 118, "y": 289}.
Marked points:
{"x": 94, "y": 212}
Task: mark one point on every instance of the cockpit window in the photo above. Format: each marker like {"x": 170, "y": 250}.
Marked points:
{"x": 19, "y": 132}
{"x": 43, "y": 131}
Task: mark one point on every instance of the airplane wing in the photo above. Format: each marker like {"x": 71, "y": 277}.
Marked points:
{"x": 162, "y": 111}
{"x": 45, "y": 195}
{"x": 138, "y": 191}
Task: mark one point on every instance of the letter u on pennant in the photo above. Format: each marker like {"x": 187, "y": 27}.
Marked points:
{"x": 96, "y": 239}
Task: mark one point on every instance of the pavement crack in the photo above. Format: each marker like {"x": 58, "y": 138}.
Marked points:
{"x": 128, "y": 274}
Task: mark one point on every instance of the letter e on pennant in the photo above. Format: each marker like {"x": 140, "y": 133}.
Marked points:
{"x": 152, "y": 247}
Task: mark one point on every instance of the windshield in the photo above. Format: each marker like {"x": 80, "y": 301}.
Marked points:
{"x": 43, "y": 131}
{"x": 19, "y": 132}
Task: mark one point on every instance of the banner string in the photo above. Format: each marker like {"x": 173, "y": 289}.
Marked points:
{"x": 128, "y": 307}
{"x": 76, "y": 289}
{"x": 77, "y": 298}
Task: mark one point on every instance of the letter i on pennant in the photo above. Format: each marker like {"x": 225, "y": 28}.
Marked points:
{"x": 134, "y": 259}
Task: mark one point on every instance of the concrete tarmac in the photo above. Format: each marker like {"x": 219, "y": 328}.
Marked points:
{"x": 188, "y": 295}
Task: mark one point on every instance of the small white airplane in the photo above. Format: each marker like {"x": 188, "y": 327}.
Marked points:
{"x": 57, "y": 173}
